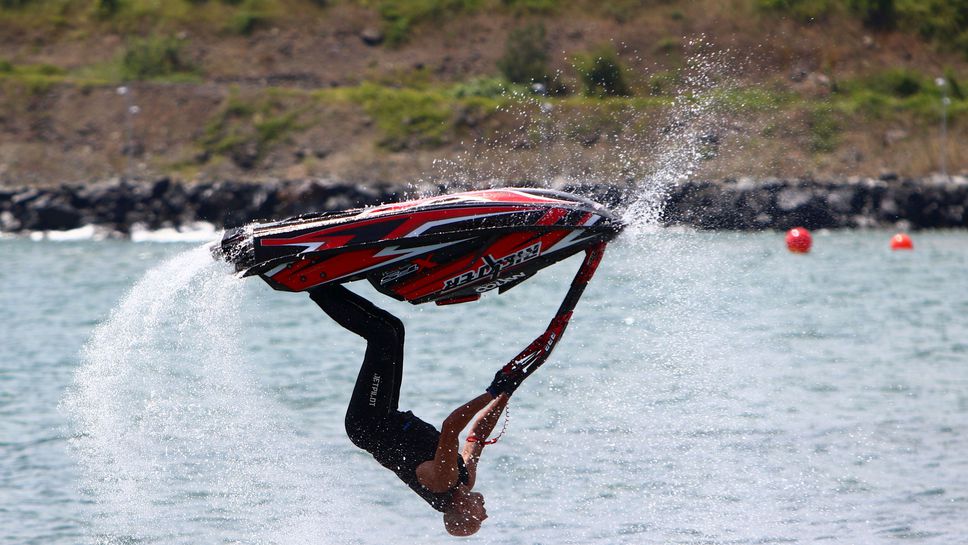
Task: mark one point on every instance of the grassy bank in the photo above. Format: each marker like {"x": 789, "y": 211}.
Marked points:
{"x": 393, "y": 89}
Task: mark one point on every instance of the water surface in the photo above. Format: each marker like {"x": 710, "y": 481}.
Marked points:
{"x": 712, "y": 388}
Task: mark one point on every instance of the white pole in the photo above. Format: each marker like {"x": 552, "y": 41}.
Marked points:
{"x": 124, "y": 92}
{"x": 943, "y": 84}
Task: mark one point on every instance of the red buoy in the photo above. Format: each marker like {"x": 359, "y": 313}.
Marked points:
{"x": 798, "y": 240}
{"x": 901, "y": 241}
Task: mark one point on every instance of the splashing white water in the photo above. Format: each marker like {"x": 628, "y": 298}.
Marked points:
{"x": 693, "y": 121}
{"x": 175, "y": 440}
{"x": 645, "y": 152}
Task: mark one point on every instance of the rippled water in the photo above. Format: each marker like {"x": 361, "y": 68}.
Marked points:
{"x": 712, "y": 388}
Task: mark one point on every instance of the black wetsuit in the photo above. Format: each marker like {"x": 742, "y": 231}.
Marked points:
{"x": 398, "y": 440}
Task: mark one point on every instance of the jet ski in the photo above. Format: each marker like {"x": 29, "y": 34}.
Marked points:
{"x": 446, "y": 249}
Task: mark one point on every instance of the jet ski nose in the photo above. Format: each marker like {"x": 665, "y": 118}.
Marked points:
{"x": 235, "y": 248}
{"x": 215, "y": 248}
{"x": 613, "y": 223}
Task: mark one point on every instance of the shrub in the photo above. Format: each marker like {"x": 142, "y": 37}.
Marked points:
{"x": 532, "y": 6}
{"x": 824, "y": 131}
{"x": 621, "y": 11}
{"x": 943, "y": 21}
{"x": 954, "y": 88}
{"x": 525, "y": 57}
{"x": 665, "y": 83}
{"x": 152, "y": 58}
{"x": 602, "y": 74}
{"x": 107, "y": 8}
{"x": 876, "y": 14}
{"x": 247, "y": 20}
{"x": 805, "y": 11}
{"x": 399, "y": 15}
{"x": 48, "y": 70}
{"x": 409, "y": 119}
{"x": 245, "y": 131}
{"x": 480, "y": 87}
{"x": 897, "y": 82}
{"x": 667, "y": 45}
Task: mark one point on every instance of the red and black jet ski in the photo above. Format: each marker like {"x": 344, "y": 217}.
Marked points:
{"x": 446, "y": 249}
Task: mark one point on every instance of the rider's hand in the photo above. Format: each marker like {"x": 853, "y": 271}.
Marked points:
{"x": 506, "y": 381}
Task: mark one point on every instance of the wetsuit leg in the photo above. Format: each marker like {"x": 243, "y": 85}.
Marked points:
{"x": 377, "y": 392}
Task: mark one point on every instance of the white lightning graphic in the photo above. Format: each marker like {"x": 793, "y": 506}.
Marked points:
{"x": 572, "y": 238}
{"x": 407, "y": 253}
{"x": 400, "y": 253}
{"x": 432, "y": 224}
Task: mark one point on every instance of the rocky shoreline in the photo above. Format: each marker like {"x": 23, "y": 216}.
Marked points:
{"x": 744, "y": 204}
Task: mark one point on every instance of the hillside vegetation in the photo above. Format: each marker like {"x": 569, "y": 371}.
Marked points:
{"x": 401, "y": 91}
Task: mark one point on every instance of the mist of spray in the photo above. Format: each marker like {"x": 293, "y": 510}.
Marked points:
{"x": 695, "y": 120}
{"x": 682, "y": 380}
{"x": 644, "y": 152}
{"x": 165, "y": 409}
{"x": 175, "y": 439}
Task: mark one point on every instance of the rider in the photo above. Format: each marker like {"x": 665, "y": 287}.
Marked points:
{"x": 425, "y": 459}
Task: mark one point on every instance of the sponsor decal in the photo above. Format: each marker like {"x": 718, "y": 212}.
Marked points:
{"x": 494, "y": 266}
{"x": 551, "y": 342}
{"x": 499, "y": 282}
{"x": 397, "y": 274}
{"x": 374, "y": 388}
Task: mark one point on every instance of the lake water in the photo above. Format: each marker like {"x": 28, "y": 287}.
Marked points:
{"x": 712, "y": 388}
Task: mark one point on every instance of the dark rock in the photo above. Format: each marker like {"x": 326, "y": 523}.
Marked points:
{"x": 224, "y": 203}
{"x": 9, "y": 222}
{"x": 245, "y": 155}
{"x": 792, "y": 198}
{"x": 6, "y": 198}
{"x": 371, "y": 36}
{"x": 302, "y": 197}
{"x": 25, "y": 197}
{"x": 160, "y": 187}
{"x": 51, "y": 213}
{"x": 729, "y": 204}
{"x": 133, "y": 149}
{"x": 841, "y": 200}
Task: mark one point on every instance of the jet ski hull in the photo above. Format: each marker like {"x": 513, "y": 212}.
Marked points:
{"x": 446, "y": 249}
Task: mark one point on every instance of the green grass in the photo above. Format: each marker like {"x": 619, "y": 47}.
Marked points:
{"x": 154, "y": 58}
{"x": 754, "y": 99}
{"x": 245, "y": 130}
{"x": 400, "y": 15}
{"x": 602, "y": 73}
{"x": 9, "y": 69}
{"x": 883, "y": 94}
{"x": 425, "y": 114}
{"x": 944, "y": 22}
{"x": 145, "y": 17}
{"x": 803, "y": 11}
{"x": 408, "y": 118}
{"x": 825, "y": 128}
{"x": 486, "y": 88}
{"x": 433, "y": 116}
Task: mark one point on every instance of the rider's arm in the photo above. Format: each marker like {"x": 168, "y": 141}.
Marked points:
{"x": 443, "y": 473}
{"x": 481, "y": 430}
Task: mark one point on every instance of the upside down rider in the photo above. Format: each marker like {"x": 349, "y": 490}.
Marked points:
{"x": 431, "y": 462}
